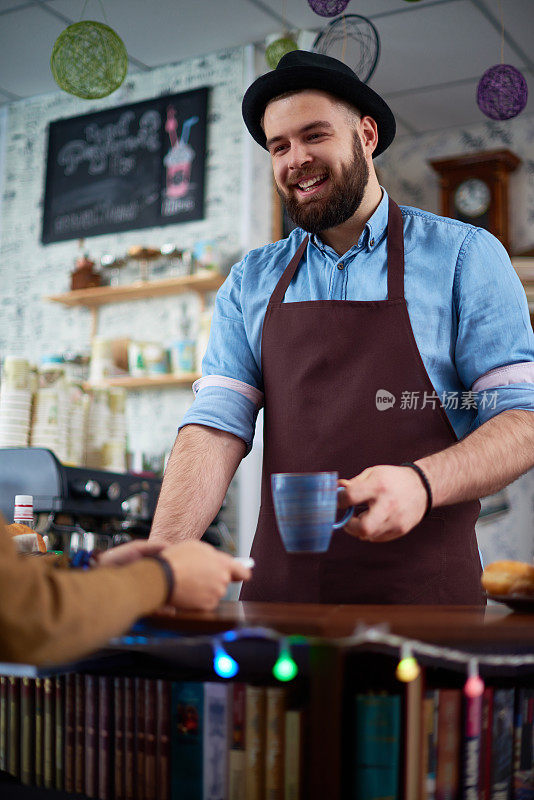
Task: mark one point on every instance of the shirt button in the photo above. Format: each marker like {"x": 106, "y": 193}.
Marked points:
{"x": 371, "y": 242}
{"x": 340, "y": 265}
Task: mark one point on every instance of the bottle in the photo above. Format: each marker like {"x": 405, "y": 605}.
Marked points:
{"x": 31, "y": 542}
{"x": 24, "y": 510}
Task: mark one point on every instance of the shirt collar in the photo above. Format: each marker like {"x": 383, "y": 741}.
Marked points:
{"x": 375, "y": 227}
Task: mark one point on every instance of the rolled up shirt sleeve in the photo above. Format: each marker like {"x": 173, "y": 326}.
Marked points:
{"x": 494, "y": 351}
{"x": 230, "y": 393}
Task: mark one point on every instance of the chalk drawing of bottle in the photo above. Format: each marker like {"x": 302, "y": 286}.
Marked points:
{"x": 180, "y": 157}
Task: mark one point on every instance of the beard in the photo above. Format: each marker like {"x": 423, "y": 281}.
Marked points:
{"x": 344, "y": 198}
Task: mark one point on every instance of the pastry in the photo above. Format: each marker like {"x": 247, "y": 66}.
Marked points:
{"x": 26, "y": 539}
{"x": 508, "y": 577}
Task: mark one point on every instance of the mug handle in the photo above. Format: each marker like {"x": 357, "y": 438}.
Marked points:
{"x": 348, "y": 515}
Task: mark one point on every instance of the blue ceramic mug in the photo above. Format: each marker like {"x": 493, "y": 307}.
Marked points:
{"x": 305, "y": 504}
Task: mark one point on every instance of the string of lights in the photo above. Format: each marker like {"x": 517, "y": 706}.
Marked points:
{"x": 408, "y": 669}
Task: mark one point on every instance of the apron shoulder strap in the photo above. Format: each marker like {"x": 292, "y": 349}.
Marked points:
{"x": 395, "y": 252}
{"x": 287, "y": 276}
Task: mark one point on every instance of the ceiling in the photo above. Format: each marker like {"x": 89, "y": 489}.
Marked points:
{"x": 432, "y": 52}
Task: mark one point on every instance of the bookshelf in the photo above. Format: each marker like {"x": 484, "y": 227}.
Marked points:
{"x": 332, "y": 670}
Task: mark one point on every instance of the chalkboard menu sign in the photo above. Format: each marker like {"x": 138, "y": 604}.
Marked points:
{"x": 135, "y": 166}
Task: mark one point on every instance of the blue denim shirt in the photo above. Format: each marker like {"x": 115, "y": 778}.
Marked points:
{"x": 467, "y": 308}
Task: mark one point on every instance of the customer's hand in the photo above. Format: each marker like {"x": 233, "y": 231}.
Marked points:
{"x": 128, "y": 553}
{"x": 201, "y": 574}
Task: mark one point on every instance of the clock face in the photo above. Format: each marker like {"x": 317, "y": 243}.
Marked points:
{"x": 472, "y": 198}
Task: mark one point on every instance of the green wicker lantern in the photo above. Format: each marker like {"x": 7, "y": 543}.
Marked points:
{"x": 89, "y": 60}
{"x": 277, "y": 49}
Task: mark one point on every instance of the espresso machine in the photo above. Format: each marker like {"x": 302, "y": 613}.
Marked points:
{"x": 85, "y": 508}
{"x": 114, "y": 507}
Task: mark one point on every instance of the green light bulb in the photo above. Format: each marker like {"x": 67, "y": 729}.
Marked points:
{"x": 285, "y": 668}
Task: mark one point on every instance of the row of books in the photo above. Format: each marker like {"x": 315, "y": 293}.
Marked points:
{"x": 439, "y": 744}
{"x": 129, "y": 738}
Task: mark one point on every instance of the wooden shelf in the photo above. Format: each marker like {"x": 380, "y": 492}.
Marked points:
{"x": 101, "y": 295}
{"x": 148, "y": 382}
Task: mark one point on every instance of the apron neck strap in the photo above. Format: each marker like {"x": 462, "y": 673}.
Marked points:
{"x": 395, "y": 248}
{"x": 395, "y": 252}
{"x": 282, "y": 285}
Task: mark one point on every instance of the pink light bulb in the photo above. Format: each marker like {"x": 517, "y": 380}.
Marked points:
{"x": 474, "y": 686}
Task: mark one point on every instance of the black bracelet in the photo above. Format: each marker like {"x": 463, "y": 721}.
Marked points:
{"x": 426, "y": 484}
{"x": 169, "y": 575}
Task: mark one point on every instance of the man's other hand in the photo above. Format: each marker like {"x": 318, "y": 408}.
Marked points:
{"x": 397, "y": 502}
{"x": 201, "y": 574}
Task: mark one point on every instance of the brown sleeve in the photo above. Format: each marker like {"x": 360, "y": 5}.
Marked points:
{"x": 51, "y": 615}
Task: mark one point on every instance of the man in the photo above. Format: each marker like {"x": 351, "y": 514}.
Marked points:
{"x": 53, "y": 615}
{"x": 336, "y": 330}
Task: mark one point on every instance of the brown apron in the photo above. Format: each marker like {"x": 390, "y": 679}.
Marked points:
{"x": 323, "y": 363}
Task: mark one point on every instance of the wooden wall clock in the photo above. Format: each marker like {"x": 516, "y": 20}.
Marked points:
{"x": 474, "y": 189}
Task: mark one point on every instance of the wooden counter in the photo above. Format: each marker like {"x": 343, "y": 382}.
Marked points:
{"x": 450, "y": 625}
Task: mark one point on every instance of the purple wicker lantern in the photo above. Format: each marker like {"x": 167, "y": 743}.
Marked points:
{"x": 502, "y": 92}
{"x": 328, "y": 8}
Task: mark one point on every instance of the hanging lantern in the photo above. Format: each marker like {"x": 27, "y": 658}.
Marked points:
{"x": 328, "y": 8}
{"x": 278, "y": 48}
{"x": 89, "y": 60}
{"x": 502, "y": 92}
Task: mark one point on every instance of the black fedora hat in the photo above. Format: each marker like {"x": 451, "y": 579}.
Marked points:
{"x": 301, "y": 69}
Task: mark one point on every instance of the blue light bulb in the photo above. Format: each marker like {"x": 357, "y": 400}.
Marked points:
{"x": 223, "y": 664}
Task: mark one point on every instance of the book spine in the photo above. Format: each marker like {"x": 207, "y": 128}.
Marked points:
{"x": 59, "y": 740}
{"x": 39, "y": 737}
{"x": 118, "y": 738}
{"x": 79, "y": 733}
{"x": 48, "y": 733}
{"x": 274, "y": 744}
{"x": 104, "y": 738}
{"x": 139, "y": 736}
{"x": 216, "y": 744}
{"x": 91, "y": 736}
{"x": 236, "y": 766}
{"x": 27, "y": 741}
{"x": 430, "y": 739}
{"x": 485, "y": 744}
{"x": 187, "y": 737}
{"x": 502, "y": 744}
{"x": 378, "y": 745}
{"x": 255, "y": 737}
{"x": 523, "y": 773}
{"x": 293, "y": 755}
{"x": 70, "y": 725}
{"x": 129, "y": 739}
{"x": 3, "y": 722}
{"x": 413, "y": 737}
{"x": 150, "y": 740}
{"x": 13, "y": 689}
{"x": 471, "y": 747}
{"x": 447, "y": 772}
{"x": 163, "y": 739}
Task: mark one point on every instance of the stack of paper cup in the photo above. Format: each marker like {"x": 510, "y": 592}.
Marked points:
{"x": 114, "y": 453}
{"x": 16, "y": 374}
{"x": 15, "y": 414}
{"x": 78, "y": 410}
{"x": 98, "y": 427}
{"x": 50, "y": 420}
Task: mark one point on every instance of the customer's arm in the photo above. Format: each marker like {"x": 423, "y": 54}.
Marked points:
{"x": 48, "y": 614}
{"x": 53, "y": 615}
{"x": 199, "y": 471}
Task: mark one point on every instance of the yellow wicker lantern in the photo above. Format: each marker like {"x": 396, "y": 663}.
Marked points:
{"x": 89, "y": 60}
